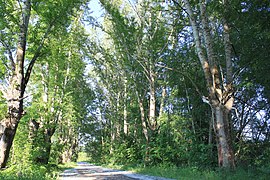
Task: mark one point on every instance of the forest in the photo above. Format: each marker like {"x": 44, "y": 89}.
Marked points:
{"x": 149, "y": 83}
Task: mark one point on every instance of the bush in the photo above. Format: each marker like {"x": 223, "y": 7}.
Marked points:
{"x": 28, "y": 172}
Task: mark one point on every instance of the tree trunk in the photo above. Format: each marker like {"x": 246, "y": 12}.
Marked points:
{"x": 162, "y": 101}
{"x": 17, "y": 84}
{"x": 10, "y": 123}
{"x": 33, "y": 129}
{"x": 74, "y": 150}
{"x": 45, "y": 147}
{"x": 152, "y": 102}
{"x": 46, "y": 156}
{"x": 70, "y": 153}
{"x": 113, "y": 136}
{"x": 220, "y": 96}
{"x": 144, "y": 127}
{"x": 225, "y": 153}
{"x": 125, "y": 108}
{"x": 210, "y": 131}
{"x": 5, "y": 144}
{"x": 7, "y": 140}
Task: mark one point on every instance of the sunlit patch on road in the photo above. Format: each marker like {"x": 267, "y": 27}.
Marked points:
{"x": 92, "y": 172}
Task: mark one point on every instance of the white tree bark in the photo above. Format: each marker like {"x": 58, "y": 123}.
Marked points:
{"x": 125, "y": 108}
{"x": 220, "y": 100}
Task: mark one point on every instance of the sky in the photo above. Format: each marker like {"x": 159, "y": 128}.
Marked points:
{"x": 96, "y": 9}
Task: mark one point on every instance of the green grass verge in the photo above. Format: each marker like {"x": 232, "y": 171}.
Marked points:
{"x": 194, "y": 173}
{"x": 34, "y": 172}
{"x": 191, "y": 173}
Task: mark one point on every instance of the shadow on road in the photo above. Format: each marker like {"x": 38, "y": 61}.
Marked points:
{"x": 88, "y": 171}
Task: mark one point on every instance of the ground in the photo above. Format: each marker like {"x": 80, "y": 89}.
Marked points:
{"x": 91, "y": 172}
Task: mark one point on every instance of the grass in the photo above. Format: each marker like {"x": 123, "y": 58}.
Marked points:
{"x": 195, "y": 173}
{"x": 27, "y": 171}
{"x": 191, "y": 173}
{"x": 83, "y": 157}
{"x": 34, "y": 172}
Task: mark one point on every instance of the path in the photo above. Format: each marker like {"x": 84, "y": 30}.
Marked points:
{"x": 86, "y": 171}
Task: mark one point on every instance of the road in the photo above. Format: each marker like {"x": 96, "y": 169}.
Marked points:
{"x": 86, "y": 171}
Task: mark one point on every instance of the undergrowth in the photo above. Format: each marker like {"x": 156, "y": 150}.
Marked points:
{"x": 33, "y": 171}
{"x": 194, "y": 173}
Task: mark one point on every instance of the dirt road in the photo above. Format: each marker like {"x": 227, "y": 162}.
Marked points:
{"x": 91, "y": 172}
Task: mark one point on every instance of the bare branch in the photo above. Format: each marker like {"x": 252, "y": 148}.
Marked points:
{"x": 175, "y": 2}
{"x": 146, "y": 72}
{"x": 222, "y": 78}
{"x": 19, "y": 99}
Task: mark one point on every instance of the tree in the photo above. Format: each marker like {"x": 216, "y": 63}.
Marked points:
{"x": 24, "y": 27}
{"x": 220, "y": 88}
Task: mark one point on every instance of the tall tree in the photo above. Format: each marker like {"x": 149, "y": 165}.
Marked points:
{"x": 28, "y": 24}
{"x": 220, "y": 88}
{"x": 14, "y": 93}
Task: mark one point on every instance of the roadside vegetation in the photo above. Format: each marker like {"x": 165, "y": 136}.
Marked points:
{"x": 34, "y": 171}
{"x": 187, "y": 172}
{"x": 174, "y": 88}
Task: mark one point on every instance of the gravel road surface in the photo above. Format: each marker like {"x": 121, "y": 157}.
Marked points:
{"x": 88, "y": 171}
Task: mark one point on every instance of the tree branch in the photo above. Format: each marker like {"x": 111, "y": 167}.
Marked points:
{"x": 19, "y": 99}
{"x": 175, "y": 2}
{"x": 207, "y": 35}
{"x": 36, "y": 55}
{"x": 3, "y": 90}
{"x": 185, "y": 75}
{"x": 9, "y": 54}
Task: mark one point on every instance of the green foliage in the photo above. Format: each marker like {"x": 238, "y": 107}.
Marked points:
{"x": 34, "y": 171}
{"x": 251, "y": 45}
{"x": 126, "y": 153}
{"x": 28, "y": 172}
{"x": 139, "y": 42}
{"x": 21, "y": 152}
{"x": 193, "y": 172}
{"x": 253, "y": 154}
{"x": 178, "y": 145}
{"x": 21, "y": 164}
{"x": 3, "y": 107}
{"x": 175, "y": 144}
{"x": 83, "y": 157}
